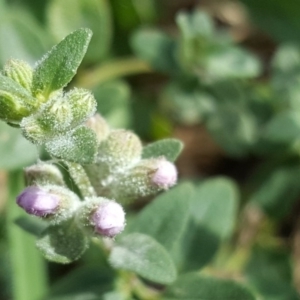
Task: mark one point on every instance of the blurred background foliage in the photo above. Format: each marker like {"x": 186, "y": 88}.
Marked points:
{"x": 221, "y": 75}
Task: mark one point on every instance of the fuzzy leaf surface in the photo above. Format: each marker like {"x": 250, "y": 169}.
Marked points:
{"x": 84, "y": 13}
{"x": 59, "y": 65}
{"x": 169, "y": 148}
{"x": 63, "y": 243}
{"x": 141, "y": 254}
{"x": 78, "y": 146}
{"x": 166, "y": 217}
{"x": 194, "y": 286}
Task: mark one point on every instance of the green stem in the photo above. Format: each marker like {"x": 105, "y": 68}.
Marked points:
{"x": 112, "y": 70}
{"x": 28, "y": 266}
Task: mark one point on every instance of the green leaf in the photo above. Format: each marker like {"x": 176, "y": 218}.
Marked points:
{"x": 234, "y": 128}
{"x": 284, "y": 127}
{"x": 198, "y": 23}
{"x": 168, "y": 215}
{"x": 281, "y": 19}
{"x": 79, "y": 145}
{"x": 90, "y": 280}
{"x": 8, "y": 85}
{"x": 84, "y": 13}
{"x": 186, "y": 103}
{"x": 59, "y": 65}
{"x": 215, "y": 206}
{"x": 286, "y": 73}
{"x": 113, "y": 102}
{"x": 15, "y": 151}
{"x": 196, "y": 248}
{"x": 169, "y": 148}
{"x": 31, "y": 224}
{"x": 213, "y": 213}
{"x": 155, "y": 47}
{"x": 194, "y": 286}
{"x": 21, "y": 36}
{"x": 276, "y": 189}
{"x": 62, "y": 243}
{"x": 141, "y": 254}
{"x": 270, "y": 272}
{"x": 232, "y": 62}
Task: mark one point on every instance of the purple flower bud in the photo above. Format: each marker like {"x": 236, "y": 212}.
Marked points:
{"x": 36, "y": 201}
{"x": 109, "y": 219}
{"x": 166, "y": 174}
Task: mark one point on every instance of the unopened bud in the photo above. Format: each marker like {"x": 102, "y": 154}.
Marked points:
{"x": 83, "y": 105}
{"x": 51, "y": 202}
{"x": 109, "y": 219}
{"x": 43, "y": 173}
{"x": 120, "y": 150}
{"x": 58, "y": 115}
{"x": 99, "y": 126}
{"x": 165, "y": 175}
{"x": 147, "y": 177}
{"x": 38, "y": 202}
{"x": 15, "y": 101}
{"x": 102, "y": 216}
{"x": 20, "y": 72}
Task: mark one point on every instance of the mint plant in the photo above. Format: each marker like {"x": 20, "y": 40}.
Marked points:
{"x": 111, "y": 169}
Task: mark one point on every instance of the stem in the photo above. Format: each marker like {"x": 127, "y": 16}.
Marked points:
{"x": 28, "y": 266}
{"x": 81, "y": 179}
{"x": 112, "y": 70}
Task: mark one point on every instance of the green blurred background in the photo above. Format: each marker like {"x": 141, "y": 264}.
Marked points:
{"x": 221, "y": 75}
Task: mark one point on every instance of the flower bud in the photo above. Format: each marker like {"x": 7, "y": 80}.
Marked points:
{"x": 38, "y": 202}
{"x": 83, "y": 105}
{"x": 109, "y": 219}
{"x": 102, "y": 216}
{"x": 58, "y": 115}
{"x": 120, "y": 150}
{"x": 51, "y": 202}
{"x": 147, "y": 177}
{"x": 99, "y": 126}
{"x": 165, "y": 175}
{"x": 43, "y": 173}
{"x": 20, "y": 72}
{"x": 15, "y": 101}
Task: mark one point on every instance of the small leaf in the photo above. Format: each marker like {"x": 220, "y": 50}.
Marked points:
{"x": 284, "y": 127}
{"x": 63, "y": 243}
{"x": 59, "y": 65}
{"x": 155, "y": 47}
{"x": 88, "y": 13}
{"x": 215, "y": 206}
{"x": 194, "y": 286}
{"x": 80, "y": 145}
{"x": 113, "y": 102}
{"x": 277, "y": 190}
{"x": 270, "y": 271}
{"x": 21, "y": 36}
{"x": 31, "y": 224}
{"x": 89, "y": 279}
{"x": 141, "y": 254}
{"x": 169, "y": 148}
{"x": 232, "y": 62}
{"x": 167, "y": 214}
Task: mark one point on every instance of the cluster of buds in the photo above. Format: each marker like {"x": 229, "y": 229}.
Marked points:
{"x": 120, "y": 172}
{"x": 107, "y": 165}
{"x": 56, "y": 203}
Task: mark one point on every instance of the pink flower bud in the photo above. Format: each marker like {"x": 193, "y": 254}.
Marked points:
{"x": 109, "y": 219}
{"x": 166, "y": 174}
{"x": 38, "y": 202}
